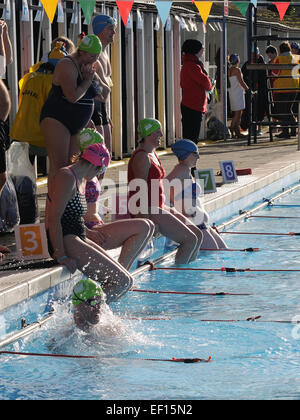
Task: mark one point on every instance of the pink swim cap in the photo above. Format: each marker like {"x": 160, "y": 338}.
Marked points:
{"x": 97, "y": 154}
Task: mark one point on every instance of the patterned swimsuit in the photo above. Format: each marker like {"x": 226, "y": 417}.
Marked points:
{"x": 72, "y": 222}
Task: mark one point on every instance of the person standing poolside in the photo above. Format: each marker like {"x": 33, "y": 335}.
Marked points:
{"x": 130, "y": 234}
{"x": 187, "y": 199}
{"x": 104, "y": 27}
{"x": 237, "y": 95}
{"x": 145, "y": 168}
{"x": 70, "y": 104}
{"x": 66, "y": 232}
{"x": 194, "y": 82}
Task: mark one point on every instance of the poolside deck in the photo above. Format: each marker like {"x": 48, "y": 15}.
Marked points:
{"x": 268, "y": 161}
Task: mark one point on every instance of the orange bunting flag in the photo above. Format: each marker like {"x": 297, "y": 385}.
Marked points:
{"x": 282, "y": 8}
{"x": 204, "y": 8}
{"x": 50, "y": 7}
{"x": 124, "y": 9}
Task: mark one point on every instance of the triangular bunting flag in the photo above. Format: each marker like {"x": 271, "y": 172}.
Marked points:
{"x": 124, "y": 9}
{"x": 88, "y": 7}
{"x": 282, "y": 8}
{"x": 50, "y": 8}
{"x": 242, "y": 6}
{"x": 163, "y": 8}
{"x": 204, "y": 8}
{"x": 254, "y": 2}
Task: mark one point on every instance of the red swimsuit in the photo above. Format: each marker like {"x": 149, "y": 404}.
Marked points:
{"x": 156, "y": 172}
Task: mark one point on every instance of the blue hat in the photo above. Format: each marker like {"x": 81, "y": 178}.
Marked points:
{"x": 294, "y": 45}
{"x": 184, "y": 148}
{"x": 101, "y": 21}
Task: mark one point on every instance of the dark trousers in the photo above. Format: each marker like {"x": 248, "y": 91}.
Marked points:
{"x": 191, "y": 123}
{"x": 284, "y": 110}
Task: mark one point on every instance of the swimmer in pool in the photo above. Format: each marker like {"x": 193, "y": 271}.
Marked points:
{"x": 88, "y": 299}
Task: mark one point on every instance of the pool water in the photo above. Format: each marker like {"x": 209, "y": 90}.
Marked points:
{"x": 249, "y": 360}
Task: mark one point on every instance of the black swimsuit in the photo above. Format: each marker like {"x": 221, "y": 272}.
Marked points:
{"x": 72, "y": 222}
{"x": 74, "y": 116}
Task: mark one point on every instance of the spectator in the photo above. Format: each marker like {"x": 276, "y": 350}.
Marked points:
{"x": 146, "y": 170}
{"x": 237, "y": 95}
{"x": 194, "y": 82}
{"x": 284, "y": 99}
{"x": 104, "y": 27}
{"x": 257, "y": 81}
{"x": 295, "y": 49}
{"x": 272, "y": 53}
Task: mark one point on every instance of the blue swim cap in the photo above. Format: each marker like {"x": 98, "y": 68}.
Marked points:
{"x": 295, "y": 45}
{"x": 184, "y": 148}
{"x": 234, "y": 58}
{"x": 101, "y": 21}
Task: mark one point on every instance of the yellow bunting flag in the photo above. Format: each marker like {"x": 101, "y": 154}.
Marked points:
{"x": 204, "y": 8}
{"x": 50, "y": 8}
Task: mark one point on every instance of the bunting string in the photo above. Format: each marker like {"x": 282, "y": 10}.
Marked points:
{"x": 163, "y": 8}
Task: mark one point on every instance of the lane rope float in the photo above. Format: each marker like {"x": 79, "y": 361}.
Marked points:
{"x": 70, "y": 356}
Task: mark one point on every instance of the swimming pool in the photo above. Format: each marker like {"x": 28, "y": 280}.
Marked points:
{"x": 249, "y": 360}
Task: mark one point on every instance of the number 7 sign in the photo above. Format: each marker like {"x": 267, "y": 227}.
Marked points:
{"x": 206, "y": 176}
{"x": 31, "y": 241}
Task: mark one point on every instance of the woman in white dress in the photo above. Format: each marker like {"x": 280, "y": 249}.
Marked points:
{"x": 236, "y": 94}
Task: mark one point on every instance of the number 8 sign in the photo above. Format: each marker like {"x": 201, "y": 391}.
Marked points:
{"x": 228, "y": 171}
{"x": 31, "y": 241}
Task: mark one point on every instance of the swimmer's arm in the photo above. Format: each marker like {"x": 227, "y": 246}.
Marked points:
{"x": 102, "y": 82}
{"x": 141, "y": 166}
{"x": 65, "y": 75}
{"x": 7, "y": 45}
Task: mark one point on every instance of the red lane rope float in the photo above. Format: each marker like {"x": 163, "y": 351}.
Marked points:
{"x": 249, "y": 250}
{"x": 251, "y": 319}
{"x": 231, "y": 249}
{"x": 171, "y": 292}
{"x": 69, "y": 356}
{"x": 263, "y": 233}
{"x": 274, "y": 217}
{"x": 226, "y": 269}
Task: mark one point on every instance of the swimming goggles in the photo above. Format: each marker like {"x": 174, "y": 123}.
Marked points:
{"x": 94, "y": 301}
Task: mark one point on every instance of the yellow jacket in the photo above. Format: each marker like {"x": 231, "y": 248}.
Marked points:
{"x": 286, "y": 82}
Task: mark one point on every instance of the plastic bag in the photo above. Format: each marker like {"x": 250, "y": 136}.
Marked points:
{"x": 9, "y": 209}
{"x": 23, "y": 175}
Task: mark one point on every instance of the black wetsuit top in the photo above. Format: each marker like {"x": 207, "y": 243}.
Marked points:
{"x": 74, "y": 116}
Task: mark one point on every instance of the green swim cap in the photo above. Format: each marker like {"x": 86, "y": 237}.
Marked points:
{"x": 147, "y": 126}
{"x": 86, "y": 289}
{"x": 91, "y": 44}
{"x": 88, "y": 136}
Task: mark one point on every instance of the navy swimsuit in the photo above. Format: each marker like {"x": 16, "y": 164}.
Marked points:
{"x": 74, "y": 116}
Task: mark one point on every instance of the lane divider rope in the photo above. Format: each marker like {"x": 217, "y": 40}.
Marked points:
{"x": 70, "y": 356}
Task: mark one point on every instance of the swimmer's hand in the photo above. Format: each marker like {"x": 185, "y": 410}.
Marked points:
{"x": 70, "y": 263}
{"x": 87, "y": 72}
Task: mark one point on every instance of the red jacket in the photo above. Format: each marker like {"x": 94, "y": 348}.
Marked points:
{"x": 194, "y": 82}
